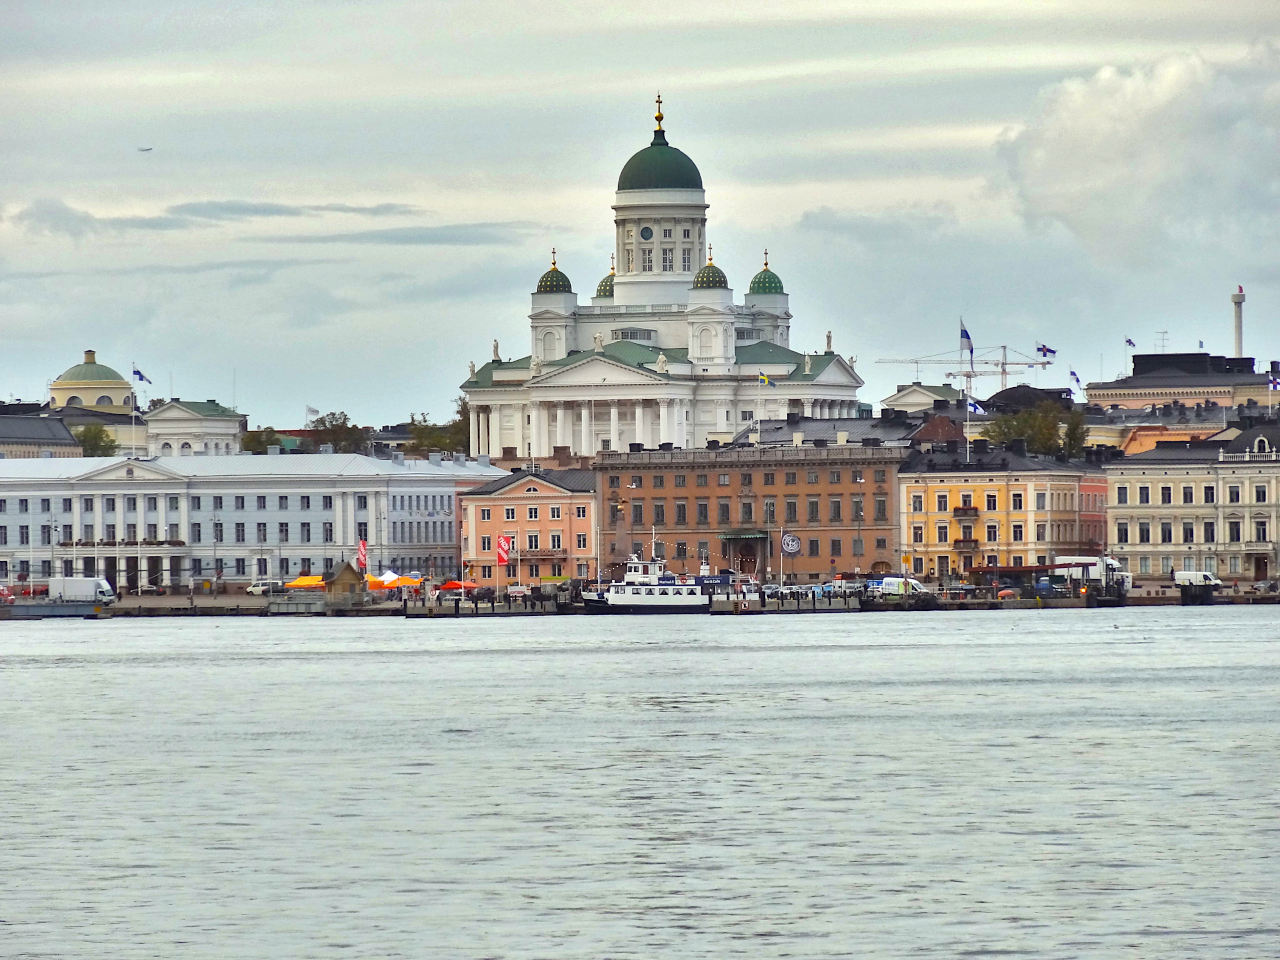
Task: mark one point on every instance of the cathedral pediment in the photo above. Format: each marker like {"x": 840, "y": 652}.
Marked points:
{"x": 131, "y": 470}
{"x": 596, "y": 372}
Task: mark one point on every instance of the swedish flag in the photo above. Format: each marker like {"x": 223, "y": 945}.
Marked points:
{"x": 766, "y": 382}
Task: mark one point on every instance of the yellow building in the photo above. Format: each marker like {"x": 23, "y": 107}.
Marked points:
{"x": 999, "y": 507}
{"x": 92, "y": 384}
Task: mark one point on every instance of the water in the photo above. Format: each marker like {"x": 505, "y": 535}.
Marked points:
{"x": 1027, "y": 784}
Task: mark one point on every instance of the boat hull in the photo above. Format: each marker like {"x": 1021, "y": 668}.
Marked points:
{"x": 632, "y": 609}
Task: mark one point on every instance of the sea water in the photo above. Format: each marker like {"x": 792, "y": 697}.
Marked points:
{"x": 1068, "y": 783}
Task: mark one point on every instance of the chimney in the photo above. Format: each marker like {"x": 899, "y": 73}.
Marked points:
{"x": 397, "y": 456}
{"x": 273, "y": 450}
{"x": 981, "y": 446}
{"x": 482, "y": 460}
{"x": 842, "y": 437}
{"x": 434, "y": 458}
{"x": 1017, "y": 446}
{"x": 89, "y": 354}
{"x": 797, "y": 438}
{"x": 1237, "y": 301}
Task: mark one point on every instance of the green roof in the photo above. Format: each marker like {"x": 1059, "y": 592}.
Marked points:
{"x": 207, "y": 408}
{"x": 91, "y": 372}
{"x": 660, "y": 166}
{"x": 766, "y": 281}
{"x": 553, "y": 281}
{"x": 710, "y": 277}
{"x": 605, "y": 287}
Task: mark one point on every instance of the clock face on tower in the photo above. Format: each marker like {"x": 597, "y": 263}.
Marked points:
{"x": 646, "y": 233}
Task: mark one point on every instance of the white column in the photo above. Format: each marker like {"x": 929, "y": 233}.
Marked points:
{"x": 485, "y": 416}
{"x": 642, "y": 423}
{"x": 537, "y": 430}
{"x": 615, "y": 435}
{"x": 495, "y": 429}
{"x": 587, "y": 430}
{"x": 475, "y": 431}
{"x": 808, "y": 408}
{"x": 562, "y": 425}
{"x": 664, "y": 421}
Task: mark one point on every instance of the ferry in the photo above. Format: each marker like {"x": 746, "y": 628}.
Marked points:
{"x": 648, "y": 587}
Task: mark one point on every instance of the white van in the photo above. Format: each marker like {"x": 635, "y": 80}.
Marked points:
{"x": 263, "y": 588}
{"x": 1195, "y": 578}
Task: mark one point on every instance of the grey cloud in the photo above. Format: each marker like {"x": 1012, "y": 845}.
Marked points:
{"x": 249, "y": 209}
{"x": 456, "y": 234}
{"x": 54, "y": 217}
{"x": 258, "y": 267}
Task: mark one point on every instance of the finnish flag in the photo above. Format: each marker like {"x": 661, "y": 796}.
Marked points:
{"x": 139, "y": 375}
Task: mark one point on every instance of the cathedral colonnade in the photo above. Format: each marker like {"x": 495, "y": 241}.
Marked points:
{"x": 536, "y": 427}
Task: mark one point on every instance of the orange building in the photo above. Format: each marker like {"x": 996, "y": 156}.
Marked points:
{"x": 549, "y": 518}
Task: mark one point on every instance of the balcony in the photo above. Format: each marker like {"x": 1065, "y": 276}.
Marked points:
{"x": 965, "y": 545}
{"x": 544, "y": 553}
{"x": 959, "y": 512}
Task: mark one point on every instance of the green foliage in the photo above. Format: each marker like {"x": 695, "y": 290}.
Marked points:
{"x": 1047, "y": 428}
{"x": 95, "y": 441}
{"x": 257, "y": 441}
{"x": 453, "y": 435}
{"x": 336, "y": 428}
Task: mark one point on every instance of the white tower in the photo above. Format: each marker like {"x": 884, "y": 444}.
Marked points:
{"x": 1237, "y": 299}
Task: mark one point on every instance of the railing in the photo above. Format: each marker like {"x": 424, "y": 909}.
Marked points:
{"x": 965, "y": 545}
{"x": 840, "y": 453}
{"x": 964, "y": 511}
{"x": 1260, "y": 456}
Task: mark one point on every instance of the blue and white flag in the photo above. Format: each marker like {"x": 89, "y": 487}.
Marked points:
{"x": 1201, "y": 344}
{"x": 1273, "y": 383}
{"x": 1076, "y": 378}
{"x": 966, "y": 343}
{"x": 139, "y": 375}
{"x": 1045, "y": 350}
{"x": 975, "y": 406}
{"x": 1129, "y": 343}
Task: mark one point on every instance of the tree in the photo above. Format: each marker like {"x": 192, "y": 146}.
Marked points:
{"x": 1047, "y": 428}
{"x": 257, "y": 441}
{"x": 95, "y": 441}
{"x": 454, "y": 435}
{"x": 336, "y": 428}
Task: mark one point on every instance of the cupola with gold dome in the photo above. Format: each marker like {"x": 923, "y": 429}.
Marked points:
{"x": 604, "y": 289}
{"x": 553, "y": 281}
{"x": 766, "y": 281}
{"x": 710, "y": 277}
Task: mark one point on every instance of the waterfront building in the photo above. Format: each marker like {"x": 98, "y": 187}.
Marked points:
{"x": 997, "y": 507}
{"x": 172, "y": 521}
{"x": 184, "y": 428}
{"x": 664, "y": 353}
{"x": 29, "y": 436}
{"x": 1187, "y": 378}
{"x": 1211, "y": 505}
{"x": 729, "y": 507}
{"x": 550, "y": 520}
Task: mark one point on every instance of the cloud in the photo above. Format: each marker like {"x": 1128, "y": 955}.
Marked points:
{"x": 248, "y": 209}
{"x": 1177, "y": 152}
{"x": 53, "y": 217}
{"x": 455, "y": 234}
{"x": 256, "y": 266}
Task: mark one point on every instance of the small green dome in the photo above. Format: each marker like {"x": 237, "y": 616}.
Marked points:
{"x": 710, "y": 277}
{"x": 605, "y": 287}
{"x": 553, "y": 281}
{"x": 91, "y": 371}
{"x": 660, "y": 166}
{"x": 766, "y": 281}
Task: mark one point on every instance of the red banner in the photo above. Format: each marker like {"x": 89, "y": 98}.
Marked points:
{"x": 504, "y": 549}
{"x": 362, "y": 555}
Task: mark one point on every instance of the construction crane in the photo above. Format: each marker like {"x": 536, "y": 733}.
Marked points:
{"x": 1002, "y": 365}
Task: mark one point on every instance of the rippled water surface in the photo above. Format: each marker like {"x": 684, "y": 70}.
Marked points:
{"x": 1027, "y": 784}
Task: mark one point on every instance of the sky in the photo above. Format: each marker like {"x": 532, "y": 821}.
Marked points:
{"x": 342, "y": 204}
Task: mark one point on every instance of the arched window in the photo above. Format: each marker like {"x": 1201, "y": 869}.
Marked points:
{"x": 1261, "y": 446}
{"x": 704, "y": 342}
{"x": 185, "y": 449}
{"x": 166, "y": 449}
{"x": 549, "y": 351}
{"x": 74, "y": 402}
{"x": 105, "y": 401}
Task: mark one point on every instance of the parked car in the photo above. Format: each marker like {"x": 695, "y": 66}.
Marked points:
{"x": 264, "y": 588}
{"x": 150, "y": 589}
{"x": 1265, "y": 586}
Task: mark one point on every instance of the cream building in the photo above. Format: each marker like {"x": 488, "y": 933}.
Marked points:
{"x": 663, "y": 353}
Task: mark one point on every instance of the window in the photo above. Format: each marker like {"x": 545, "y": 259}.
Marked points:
{"x": 217, "y": 531}
{"x": 792, "y": 510}
{"x": 917, "y": 533}
{"x": 1260, "y": 531}
{"x": 362, "y": 501}
{"x": 834, "y": 507}
{"x": 1015, "y": 501}
{"x": 722, "y": 511}
{"x": 580, "y": 511}
{"x": 24, "y": 535}
{"x": 660, "y": 513}
{"x": 1166, "y": 532}
{"x": 152, "y": 504}
{"x": 882, "y": 508}
{"x": 239, "y": 503}
{"x": 702, "y": 511}
{"x": 304, "y": 533}
{"x": 304, "y": 503}
{"x": 855, "y": 507}
{"x": 722, "y": 480}
{"x": 646, "y": 260}
{"x": 533, "y": 513}
{"x": 1144, "y": 494}
{"x": 835, "y": 546}
{"x": 1144, "y": 564}
{"x": 789, "y": 478}
{"x": 941, "y": 532}
{"x": 508, "y": 513}
{"x": 768, "y": 480}
{"x": 745, "y": 480}
{"x": 262, "y": 503}
{"x": 532, "y": 540}
{"x": 1144, "y": 531}
{"x": 682, "y": 512}
{"x": 327, "y": 532}
{"x": 556, "y": 543}
{"x": 856, "y": 547}
{"x": 195, "y": 533}
{"x": 813, "y": 547}
{"x": 1122, "y": 531}
{"x": 917, "y": 502}
{"x": 813, "y": 510}
{"x": 686, "y": 257}
{"x": 668, "y": 259}
{"x": 1188, "y": 532}
{"x": 770, "y": 511}
{"x": 811, "y": 476}
{"x": 582, "y": 541}
{"x": 1041, "y": 530}
{"x": 680, "y": 480}
{"x": 1016, "y": 534}
{"x": 637, "y": 513}
{"x": 746, "y": 511}
{"x": 700, "y": 480}
{"x": 486, "y": 513}
{"x": 991, "y": 501}
{"x": 239, "y": 533}
{"x": 1210, "y": 493}
{"x": 942, "y": 503}
{"x": 262, "y": 533}
{"x": 284, "y": 503}
{"x": 1166, "y": 495}
{"x": 1233, "y": 494}
{"x": 1188, "y": 494}
{"x": 1260, "y": 495}
{"x": 878, "y": 476}
{"x": 326, "y": 503}
{"x": 1040, "y": 499}
{"x": 1210, "y": 531}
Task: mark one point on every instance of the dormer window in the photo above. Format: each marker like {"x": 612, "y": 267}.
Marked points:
{"x": 1261, "y": 446}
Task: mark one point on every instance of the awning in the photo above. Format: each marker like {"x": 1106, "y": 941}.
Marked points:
{"x": 743, "y": 533}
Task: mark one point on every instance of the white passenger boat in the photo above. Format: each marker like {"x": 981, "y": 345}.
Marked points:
{"x": 648, "y": 587}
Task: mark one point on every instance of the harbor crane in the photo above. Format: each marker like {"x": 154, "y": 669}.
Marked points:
{"x": 1001, "y": 365}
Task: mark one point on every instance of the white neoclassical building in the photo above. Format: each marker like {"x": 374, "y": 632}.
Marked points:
{"x": 662, "y": 354}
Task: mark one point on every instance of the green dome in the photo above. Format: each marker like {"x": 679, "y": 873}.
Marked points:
{"x": 711, "y": 277}
{"x": 553, "y": 281}
{"x": 605, "y": 287}
{"x": 660, "y": 166}
{"x": 766, "y": 281}
{"x": 91, "y": 370}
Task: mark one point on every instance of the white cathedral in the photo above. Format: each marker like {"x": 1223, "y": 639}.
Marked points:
{"x": 662, "y": 355}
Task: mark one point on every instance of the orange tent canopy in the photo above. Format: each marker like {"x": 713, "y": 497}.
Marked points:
{"x": 306, "y": 583}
